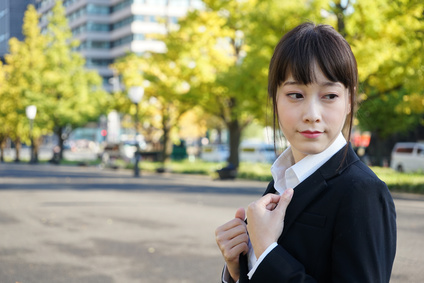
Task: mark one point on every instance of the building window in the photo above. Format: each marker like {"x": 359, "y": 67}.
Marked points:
{"x": 90, "y": 9}
{"x": 90, "y": 62}
{"x": 139, "y": 36}
{"x": 87, "y": 45}
{"x": 100, "y": 44}
{"x": 173, "y": 20}
{"x": 128, "y": 21}
{"x": 3, "y": 37}
{"x": 122, "y": 5}
{"x": 45, "y": 3}
{"x": 122, "y": 41}
{"x": 68, "y": 3}
{"x": 122, "y": 23}
{"x": 91, "y": 26}
{"x": 3, "y": 13}
{"x": 79, "y": 29}
{"x": 45, "y": 17}
{"x": 97, "y": 10}
{"x": 153, "y": 19}
{"x": 77, "y": 14}
{"x": 128, "y": 39}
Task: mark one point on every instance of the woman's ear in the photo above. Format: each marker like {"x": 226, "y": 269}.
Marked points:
{"x": 348, "y": 103}
{"x": 352, "y": 101}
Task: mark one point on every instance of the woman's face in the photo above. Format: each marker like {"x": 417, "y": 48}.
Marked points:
{"x": 312, "y": 116}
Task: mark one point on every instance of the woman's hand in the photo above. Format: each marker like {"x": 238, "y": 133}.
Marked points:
{"x": 265, "y": 218}
{"x": 233, "y": 240}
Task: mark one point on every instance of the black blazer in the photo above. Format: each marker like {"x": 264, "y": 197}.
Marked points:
{"x": 339, "y": 227}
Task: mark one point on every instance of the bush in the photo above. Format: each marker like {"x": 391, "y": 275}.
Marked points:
{"x": 401, "y": 182}
{"x": 397, "y": 182}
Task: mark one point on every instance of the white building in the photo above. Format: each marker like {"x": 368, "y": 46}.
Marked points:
{"x": 108, "y": 29}
{"x": 11, "y": 19}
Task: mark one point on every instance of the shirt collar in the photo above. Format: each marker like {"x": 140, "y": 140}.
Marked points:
{"x": 288, "y": 174}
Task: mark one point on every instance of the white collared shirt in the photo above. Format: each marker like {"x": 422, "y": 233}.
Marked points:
{"x": 288, "y": 174}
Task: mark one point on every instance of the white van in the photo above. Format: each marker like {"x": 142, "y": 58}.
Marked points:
{"x": 408, "y": 157}
{"x": 257, "y": 152}
{"x": 215, "y": 153}
{"x": 249, "y": 152}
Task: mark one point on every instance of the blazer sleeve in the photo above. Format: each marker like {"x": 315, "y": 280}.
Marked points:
{"x": 363, "y": 245}
{"x": 280, "y": 266}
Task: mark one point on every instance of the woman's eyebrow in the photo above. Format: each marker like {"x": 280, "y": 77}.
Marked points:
{"x": 323, "y": 83}
{"x": 330, "y": 83}
{"x": 291, "y": 83}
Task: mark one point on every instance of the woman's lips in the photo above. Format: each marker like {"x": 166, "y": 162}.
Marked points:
{"x": 311, "y": 134}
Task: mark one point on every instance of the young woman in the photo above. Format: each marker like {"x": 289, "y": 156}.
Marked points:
{"x": 325, "y": 217}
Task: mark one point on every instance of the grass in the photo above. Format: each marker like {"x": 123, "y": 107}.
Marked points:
{"x": 397, "y": 182}
{"x": 184, "y": 167}
{"x": 401, "y": 182}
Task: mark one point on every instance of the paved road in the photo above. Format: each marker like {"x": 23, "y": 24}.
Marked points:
{"x": 81, "y": 224}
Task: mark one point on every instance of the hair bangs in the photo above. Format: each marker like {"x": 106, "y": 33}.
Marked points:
{"x": 301, "y": 49}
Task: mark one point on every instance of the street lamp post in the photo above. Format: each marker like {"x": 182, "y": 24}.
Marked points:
{"x": 135, "y": 94}
{"x": 31, "y": 111}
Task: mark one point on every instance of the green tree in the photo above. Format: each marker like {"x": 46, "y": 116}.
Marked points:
{"x": 166, "y": 87}
{"x": 222, "y": 52}
{"x": 43, "y": 70}
{"x": 72, "y": 95}
{"x": 231, "y": 43}
{"x": 387, "y": 38}
{"x": 3, "y": 131}
{"x": 24, "y": 68}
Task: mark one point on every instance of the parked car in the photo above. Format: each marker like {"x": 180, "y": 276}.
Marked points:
{"x": 118, "y": 154}
{"x": 257, "y": 152}
{"x": 408, "y": 157}
{"x": 249, "y": 152}
{"x": 215, "y": 153}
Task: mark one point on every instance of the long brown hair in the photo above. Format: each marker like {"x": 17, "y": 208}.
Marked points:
{"x": 298, "y": 51}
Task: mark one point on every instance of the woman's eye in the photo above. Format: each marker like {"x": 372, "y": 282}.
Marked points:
{"x": 295, "y": 95}
{"x": 330, "y": 96}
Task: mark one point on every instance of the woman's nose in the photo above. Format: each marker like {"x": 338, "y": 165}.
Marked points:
{"x": 312, "y": 113}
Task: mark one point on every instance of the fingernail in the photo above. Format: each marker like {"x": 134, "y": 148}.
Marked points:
{"x": 290, "y": 192}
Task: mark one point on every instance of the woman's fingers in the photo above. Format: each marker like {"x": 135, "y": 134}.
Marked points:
{"x": 285, "y": 201}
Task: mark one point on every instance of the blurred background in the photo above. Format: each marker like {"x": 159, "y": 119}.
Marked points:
{"x": 178, "y": 86}
{"x": 113, "y": 82}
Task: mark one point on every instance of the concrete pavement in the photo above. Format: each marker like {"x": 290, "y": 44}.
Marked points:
{"x": 83, "y": 224}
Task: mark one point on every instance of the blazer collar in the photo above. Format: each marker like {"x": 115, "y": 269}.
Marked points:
{"x": 331, "y": 168}
{"x": 315, "y": 184}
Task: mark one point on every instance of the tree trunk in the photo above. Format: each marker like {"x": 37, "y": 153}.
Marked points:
{"x": 59, "y": 133}
{"x": 380, "y": 149}
{"x": 234, "y": 140}
{"x": 18, "y": 146}
{"x": 2, "y": 147}
{"x": 339, "y": 11}
{"x": 37, "y": 143}
{"x": 167, "y": 142}
{"x": 219, "y": 138}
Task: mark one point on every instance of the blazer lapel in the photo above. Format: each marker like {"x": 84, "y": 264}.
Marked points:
{"x": 304, "y": 193}
{"x": 243, "y": 261}
{"x": 270, "y": 189}
{"x": 316, "y": 184}
{"x": 244, "y": 269}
